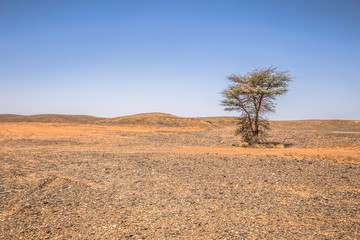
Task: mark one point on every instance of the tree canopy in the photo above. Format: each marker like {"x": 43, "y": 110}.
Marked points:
{"x": 253, "y": 95}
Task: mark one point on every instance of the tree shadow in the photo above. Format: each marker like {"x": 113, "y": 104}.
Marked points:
{"x": 286, "y": 145}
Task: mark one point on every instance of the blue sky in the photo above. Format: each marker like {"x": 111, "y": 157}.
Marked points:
{"x": 115, "y": 58}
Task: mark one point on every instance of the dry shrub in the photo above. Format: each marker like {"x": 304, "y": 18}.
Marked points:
{"x": 243, "y": 144}
{"x": 257, "y": 145}
{"x": 267, "y": 145}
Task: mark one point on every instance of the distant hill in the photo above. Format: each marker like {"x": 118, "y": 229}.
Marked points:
{"x": 83, "y": 119}
{"x": 325, "y": 125}
{"x": 157, "y": 119}
{"x": 164, "y": 119}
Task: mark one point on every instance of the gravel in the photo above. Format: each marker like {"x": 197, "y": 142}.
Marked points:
{"x": 88, "y": 188}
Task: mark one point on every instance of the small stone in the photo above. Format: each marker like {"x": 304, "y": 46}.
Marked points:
{"x": 69, "y": 225}
{"x": 41, "y": 184}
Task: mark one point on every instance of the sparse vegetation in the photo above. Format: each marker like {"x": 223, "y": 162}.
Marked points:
{"x": 243, "y": 144}
{"x": 259, "y": 145}
{"x": 253, "y": 96}
{"x": 263, "y": 145}
{"x": 280, "y": 145}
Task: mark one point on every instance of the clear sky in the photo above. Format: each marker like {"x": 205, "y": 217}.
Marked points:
{"x": 114, "y": 58}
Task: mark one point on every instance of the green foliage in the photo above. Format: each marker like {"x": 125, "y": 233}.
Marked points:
{"x": 253, "y": 95}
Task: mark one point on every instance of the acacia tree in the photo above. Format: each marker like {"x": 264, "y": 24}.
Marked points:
{"x": 253, "y": 95}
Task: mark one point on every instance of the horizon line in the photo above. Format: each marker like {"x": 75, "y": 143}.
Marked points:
{"x": 144, "y": 113}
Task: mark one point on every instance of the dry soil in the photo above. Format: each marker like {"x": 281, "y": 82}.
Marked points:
{"x": 157, "y": 176}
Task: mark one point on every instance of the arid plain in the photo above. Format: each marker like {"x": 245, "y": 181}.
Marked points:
{"x": 158, "y": 176}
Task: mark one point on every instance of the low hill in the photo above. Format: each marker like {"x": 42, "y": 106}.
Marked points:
{"x": 58, "y": 118}
{"x": 164, "y": 119}
{"x": 153, "y": 119}
{"x": 156, "y": 119}
{"x": 320, "y": 125}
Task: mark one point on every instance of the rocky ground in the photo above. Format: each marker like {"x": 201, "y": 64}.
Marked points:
{"x": 73, "y": 181}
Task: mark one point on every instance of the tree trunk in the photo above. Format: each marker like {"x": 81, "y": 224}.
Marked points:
{"x": 257, "y": 131}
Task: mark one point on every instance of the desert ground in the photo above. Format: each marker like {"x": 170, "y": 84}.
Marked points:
{"x": 158, "y": 176}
